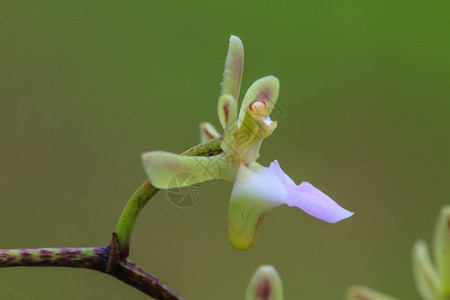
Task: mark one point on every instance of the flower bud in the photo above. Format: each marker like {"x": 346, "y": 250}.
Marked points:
{"x": 265, "y": 285}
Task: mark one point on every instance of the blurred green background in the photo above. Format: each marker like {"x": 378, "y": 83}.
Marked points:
{"x": 87, "y": 86}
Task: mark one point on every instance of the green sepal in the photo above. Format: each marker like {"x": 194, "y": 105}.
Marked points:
{"x": 234, "y": 66}
{"x": 266, "y": 88}
{"x": 164, "y": 168}
{"x": 265, "y": 284}
{"x": 427, "y": 279}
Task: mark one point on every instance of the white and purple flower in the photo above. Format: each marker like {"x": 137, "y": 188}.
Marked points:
{"x": 257, "y": 189}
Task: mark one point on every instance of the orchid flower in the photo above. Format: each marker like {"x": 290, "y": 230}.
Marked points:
{"x": 257, "y": 190}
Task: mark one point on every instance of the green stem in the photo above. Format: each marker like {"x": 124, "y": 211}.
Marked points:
{"x": 125, "y": 225}
{"x": 129, "y": 215}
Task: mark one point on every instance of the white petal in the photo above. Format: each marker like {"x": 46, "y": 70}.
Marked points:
{"x": 258, "y": 190}
{"x": 254, "y": 195}
{"x": 265, "y": 185}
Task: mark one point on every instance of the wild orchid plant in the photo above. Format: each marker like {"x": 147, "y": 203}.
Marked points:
{"x": 231, "y": 156}
{"x": 432, "y": 280}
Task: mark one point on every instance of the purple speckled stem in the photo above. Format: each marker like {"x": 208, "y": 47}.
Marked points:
{"x": 90, "y": 258}
{"x": 95, "y": 258}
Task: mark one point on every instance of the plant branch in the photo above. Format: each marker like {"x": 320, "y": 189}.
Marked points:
{"x": 132, "y": 274}
{"x": 110, "y": 259}
{"x": 95, "y": 258}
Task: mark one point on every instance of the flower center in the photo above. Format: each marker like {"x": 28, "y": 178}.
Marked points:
{"x": 259, "y": 108}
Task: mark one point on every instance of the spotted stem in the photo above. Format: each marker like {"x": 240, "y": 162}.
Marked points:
{"x": 95, "y": 258}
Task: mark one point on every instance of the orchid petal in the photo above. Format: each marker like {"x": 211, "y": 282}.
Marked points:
{"x": 163, "y": 168}
{"x": 207, "y": 132}
{"x": 227, "y": 115}
{"x": 258, "y": 190}
{"x": 266, "y": 88}
{"x": 310, "y": 199}
{"x": 315, "y": 203}
{"x": 234, "y": 66}
{"x": 254, "y": 195}
{"x": 227, "y": 110}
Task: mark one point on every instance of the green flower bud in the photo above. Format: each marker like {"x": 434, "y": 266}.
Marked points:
{"x": 265, "y": 285}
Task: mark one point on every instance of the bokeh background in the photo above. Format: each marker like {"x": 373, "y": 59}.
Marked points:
{"x": 87, "y": 86}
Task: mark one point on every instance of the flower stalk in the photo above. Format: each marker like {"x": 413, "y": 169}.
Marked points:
{"x": 125, "y": 224}
{"x": 130, "y": 213}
